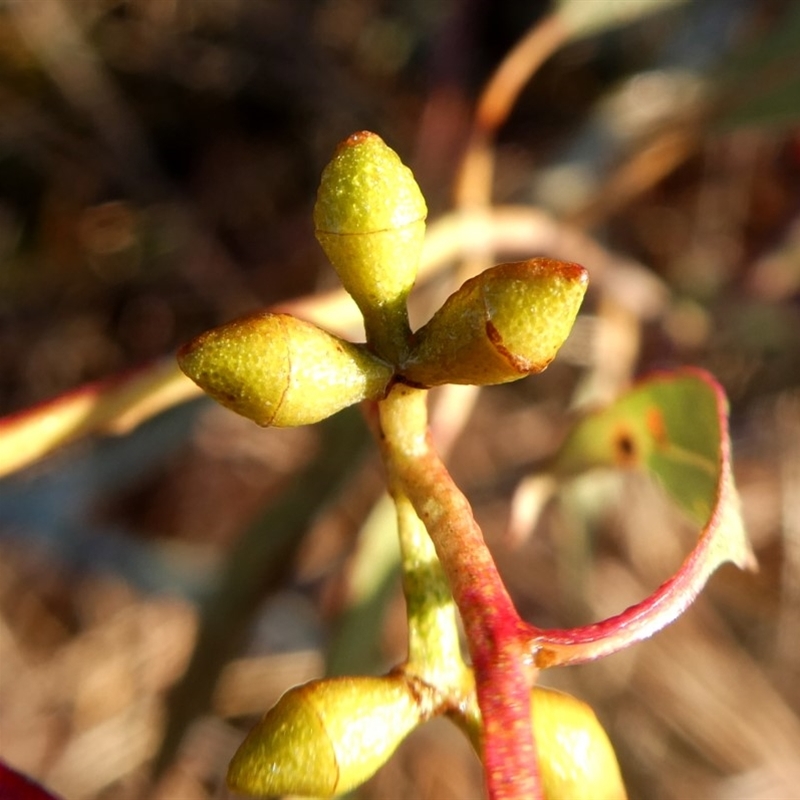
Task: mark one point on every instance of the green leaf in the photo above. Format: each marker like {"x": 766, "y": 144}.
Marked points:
{"x": 675, "y": 427}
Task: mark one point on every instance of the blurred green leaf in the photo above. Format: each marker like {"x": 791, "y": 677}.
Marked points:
{"x": 115, "y": 405}
{"x": 670, "y": 426}
{"x": 356, "y": 647}
{"x": 588, "y": 18}
{"x": 761, "y": 84}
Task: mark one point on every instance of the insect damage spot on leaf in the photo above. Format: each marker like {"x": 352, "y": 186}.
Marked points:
{"x": 626, "y": 451}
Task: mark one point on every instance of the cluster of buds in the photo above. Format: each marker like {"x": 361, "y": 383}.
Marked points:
{"x": 330, "y": 735}
{"x": 504, "y": 324}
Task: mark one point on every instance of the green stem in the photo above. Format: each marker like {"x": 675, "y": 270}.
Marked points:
{"x": 503, "y": 672}
{"x": 434, "y": 650}
{"x": 387, "y": 328}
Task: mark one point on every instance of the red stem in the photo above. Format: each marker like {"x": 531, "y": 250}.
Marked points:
{"x": 504, "y": 672}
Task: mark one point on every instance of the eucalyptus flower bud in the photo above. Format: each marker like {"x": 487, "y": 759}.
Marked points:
{"x": 576, "y": 759}
{"x": 325, "y": 737}
{"x": 278, "y": 370}
{"x": 370, "y": 220}
{"x": 506, "y": 323}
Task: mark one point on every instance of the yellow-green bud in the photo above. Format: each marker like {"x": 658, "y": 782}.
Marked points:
{"x": 325, "y": 737}
{"x": 576, "y": 759}
{"x": 506, "y": 323}
{"x": 370, "y": 220}
{"x": 278, "y": 370}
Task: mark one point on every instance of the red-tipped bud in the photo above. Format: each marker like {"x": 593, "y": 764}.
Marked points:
{"x": 506, "y": 323}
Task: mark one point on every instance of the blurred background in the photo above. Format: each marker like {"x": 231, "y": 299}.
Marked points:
{"x": 158, "y": 167}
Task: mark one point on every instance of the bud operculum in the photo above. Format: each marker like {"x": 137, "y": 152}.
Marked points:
{"x": 326, "y": 737}
{"x": 278, "y": 370}
{"x": 505, "y": 323}
{"x": 370, "y": 220}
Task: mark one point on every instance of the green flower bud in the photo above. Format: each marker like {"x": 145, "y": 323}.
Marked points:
{"x": 506, "y": 323}
{"x": 278, "y": 370}
{"x": 370, "y": 220}
{"x": 325, "y": 737}
{"x": 576, "y": 759}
